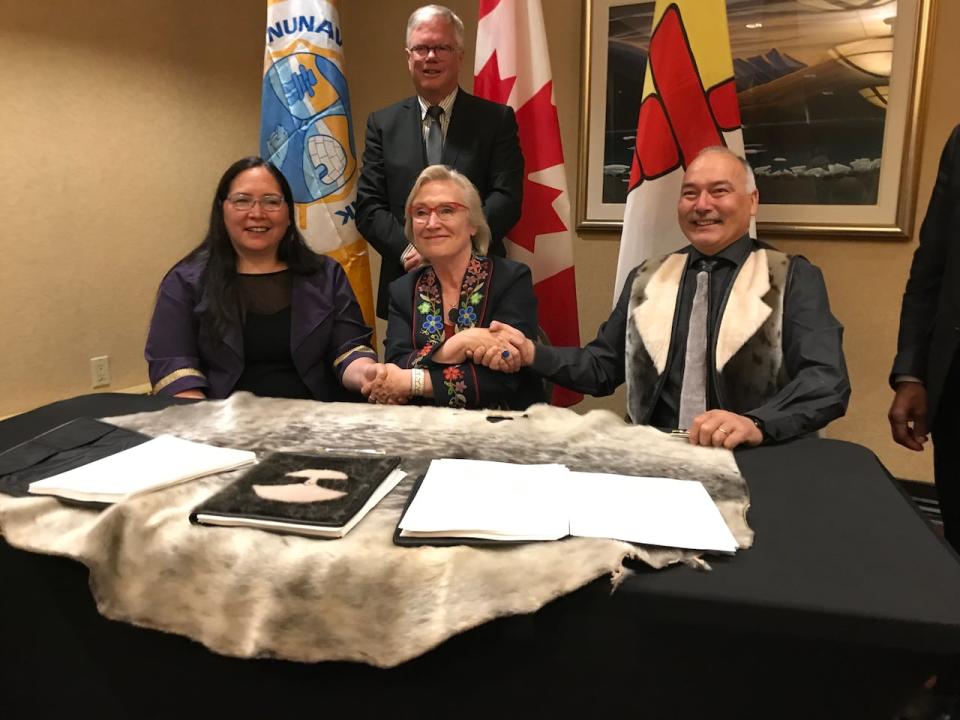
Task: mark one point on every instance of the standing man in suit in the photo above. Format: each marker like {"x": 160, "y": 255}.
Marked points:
{"x": 441, "y": 124}
{"x": 926, "y": 371}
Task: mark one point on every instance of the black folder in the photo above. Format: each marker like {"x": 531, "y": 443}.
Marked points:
{"x": 63, "y": 448}
{"x": 268, "y": 497}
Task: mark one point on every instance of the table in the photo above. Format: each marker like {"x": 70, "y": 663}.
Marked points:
{"x": 846, "y": 601}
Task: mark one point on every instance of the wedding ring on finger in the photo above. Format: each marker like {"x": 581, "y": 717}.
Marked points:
{"x": 725, "y": 432}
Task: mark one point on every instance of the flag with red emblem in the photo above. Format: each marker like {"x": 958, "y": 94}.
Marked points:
{"x": 513, "y": 67}
{"x": 689, "y": 102}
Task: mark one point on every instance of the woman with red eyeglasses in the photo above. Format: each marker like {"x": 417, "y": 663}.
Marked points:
{"x": 440, "y": 311}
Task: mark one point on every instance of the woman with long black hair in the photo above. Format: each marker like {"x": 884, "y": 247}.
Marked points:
{"x": 253, "y": 308}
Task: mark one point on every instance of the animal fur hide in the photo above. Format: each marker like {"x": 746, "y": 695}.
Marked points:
{"x": 249, "y": 593}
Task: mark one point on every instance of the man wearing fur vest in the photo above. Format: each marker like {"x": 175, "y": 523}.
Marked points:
{"x": 727, "y": 338}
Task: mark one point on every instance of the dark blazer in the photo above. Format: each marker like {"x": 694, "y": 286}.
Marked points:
{"x": 930, "y": 315}
{"x": 481, "y": 142}
{"x": 327, "y": 333}
{"x": 494, "y": 289}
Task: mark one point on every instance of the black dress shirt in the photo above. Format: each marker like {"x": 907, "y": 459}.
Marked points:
{"x": 724, "y": 269}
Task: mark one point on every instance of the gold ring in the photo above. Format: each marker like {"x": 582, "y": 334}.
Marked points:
{"x": 725, "y": 432}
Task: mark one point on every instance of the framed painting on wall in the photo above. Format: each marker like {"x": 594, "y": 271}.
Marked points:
{"x": 829, "y": 94}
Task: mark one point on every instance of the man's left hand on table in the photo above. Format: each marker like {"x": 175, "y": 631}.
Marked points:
{"x": 722, "y": 428}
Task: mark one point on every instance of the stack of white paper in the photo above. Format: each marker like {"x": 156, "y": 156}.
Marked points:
{"x": 166, "y": 460}
{"x": 504, "y": 501}
{"x": 491, "y": 500}
{"x": 647, "y": 510}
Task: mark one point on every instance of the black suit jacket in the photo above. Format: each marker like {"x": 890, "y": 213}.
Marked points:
{"x": 481, "y": 142}
{"x": 930, "y": 315}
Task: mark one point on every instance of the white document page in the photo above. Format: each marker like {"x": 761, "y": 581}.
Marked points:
{"x": 646, "y": 510}
{"x": 157, "y": 463}
{"x": 493, "y": 500}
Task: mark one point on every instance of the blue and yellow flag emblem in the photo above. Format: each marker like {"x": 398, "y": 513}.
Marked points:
{"x": 306, "y": 130}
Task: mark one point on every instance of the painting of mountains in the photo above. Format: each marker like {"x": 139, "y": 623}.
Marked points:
{"x": 812, "y": 82}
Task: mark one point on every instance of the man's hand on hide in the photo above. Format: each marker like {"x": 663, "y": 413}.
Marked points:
{"x": 722, "y": 428}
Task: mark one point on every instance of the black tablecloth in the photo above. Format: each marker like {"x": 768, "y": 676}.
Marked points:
{"x": 846, "y": 601}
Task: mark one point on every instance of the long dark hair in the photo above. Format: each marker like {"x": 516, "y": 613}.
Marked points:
{"x": 219, "y": 279}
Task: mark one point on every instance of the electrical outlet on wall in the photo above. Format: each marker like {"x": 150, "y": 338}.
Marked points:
{"x": 100, "y": 371}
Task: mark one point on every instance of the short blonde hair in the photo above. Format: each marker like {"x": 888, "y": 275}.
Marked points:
{"x": 471, "y": 198}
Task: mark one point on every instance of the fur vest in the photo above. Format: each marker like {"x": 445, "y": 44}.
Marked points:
{"x": 746, "y": 345}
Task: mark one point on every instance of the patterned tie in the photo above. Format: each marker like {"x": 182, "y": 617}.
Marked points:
{"x": 693, "y": 391}
{"x": 434, "y": 135}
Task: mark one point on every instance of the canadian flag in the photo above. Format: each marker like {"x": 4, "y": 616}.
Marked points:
{"x": 689, "y": 102}
{"x": 513, "y": 67}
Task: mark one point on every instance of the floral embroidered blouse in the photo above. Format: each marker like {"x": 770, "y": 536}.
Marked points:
{"x": 493, "y": 289}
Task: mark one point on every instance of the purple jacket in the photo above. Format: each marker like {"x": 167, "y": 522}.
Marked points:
{"x": 327, "y": 333}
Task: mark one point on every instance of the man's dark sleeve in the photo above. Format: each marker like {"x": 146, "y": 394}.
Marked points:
{"x": 920, "y": 298}
{"x": 819, "y": 386}
{"x": 375, "y": 221}
{"x": 501, "y": 202}
{"x": 597, "y": 369}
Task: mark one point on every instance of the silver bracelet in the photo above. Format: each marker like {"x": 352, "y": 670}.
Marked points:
{"x": 416, "y": 382}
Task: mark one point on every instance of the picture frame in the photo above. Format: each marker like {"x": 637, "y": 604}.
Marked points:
{"x": 833, "y": 140}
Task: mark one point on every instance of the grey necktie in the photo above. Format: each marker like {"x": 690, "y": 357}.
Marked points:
{"x": 434, "y": 135}
{"x": 693, "y": 391}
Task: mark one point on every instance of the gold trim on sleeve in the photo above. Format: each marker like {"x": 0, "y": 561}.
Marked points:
{"x": 176, "y": 375}
{"x": 351, "y": 351}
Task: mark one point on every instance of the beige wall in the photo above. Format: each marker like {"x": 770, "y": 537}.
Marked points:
{"x": 120, "y": 115}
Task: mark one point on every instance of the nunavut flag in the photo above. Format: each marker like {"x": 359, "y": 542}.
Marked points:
{"x": 689, "y": 102}
{"x": 513, "y": 67}
{"x": 306, "y": 130}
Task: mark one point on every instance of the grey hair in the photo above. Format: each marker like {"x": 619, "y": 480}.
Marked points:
{"x": 751, "y": 184}
{"x": 471, "y": 198}
{"x": 422, "y": 14}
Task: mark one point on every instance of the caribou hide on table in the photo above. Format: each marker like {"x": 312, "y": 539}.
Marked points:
{"x": 250, "y": 593}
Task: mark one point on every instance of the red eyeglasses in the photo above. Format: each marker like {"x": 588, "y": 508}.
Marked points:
{"x": 446, "y": 212}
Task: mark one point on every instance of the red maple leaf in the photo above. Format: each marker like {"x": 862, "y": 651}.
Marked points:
{"x": 537, "y": 216}
{"x": 542, "y": 148}
{"x": 488, "y": 84}
{"x": 486, "y": 7}
{"x": 540, "y": 131}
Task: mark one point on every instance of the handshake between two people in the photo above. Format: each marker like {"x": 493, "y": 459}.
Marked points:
{"x": 500, "y": 347}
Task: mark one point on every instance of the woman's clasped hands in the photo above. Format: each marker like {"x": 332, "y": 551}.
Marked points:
{"x": 499, "y": 347}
